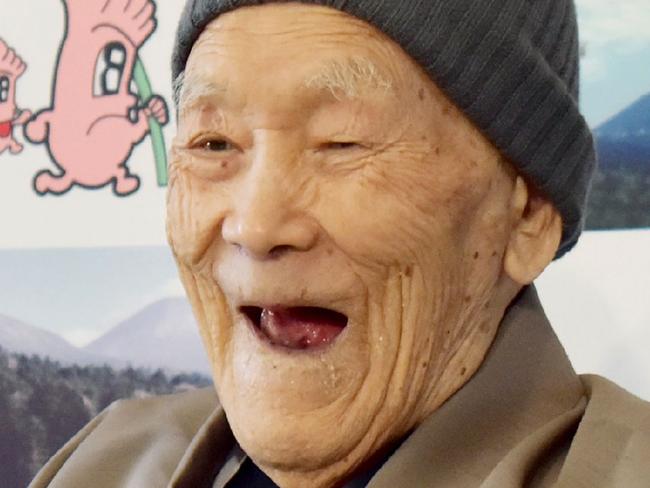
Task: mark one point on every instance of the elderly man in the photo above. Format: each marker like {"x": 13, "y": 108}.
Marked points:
{"x": 361, "y": 194}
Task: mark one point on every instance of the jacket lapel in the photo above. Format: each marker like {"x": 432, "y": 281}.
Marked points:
{"x": 206, "y": 454}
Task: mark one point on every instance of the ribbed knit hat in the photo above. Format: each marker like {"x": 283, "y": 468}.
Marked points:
{"x": 510, "y": 65}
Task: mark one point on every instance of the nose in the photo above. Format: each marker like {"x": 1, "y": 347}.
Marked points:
{"x": 264, "y": 223}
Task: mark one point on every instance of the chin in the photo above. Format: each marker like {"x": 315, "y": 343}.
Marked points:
{"x": 322, "y": 409}
{"x": 308, "y": 410}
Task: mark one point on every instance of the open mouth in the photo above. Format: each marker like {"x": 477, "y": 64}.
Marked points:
{"x": 296, "y": 327}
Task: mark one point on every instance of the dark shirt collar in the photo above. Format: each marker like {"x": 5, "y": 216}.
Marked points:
{"x": 250, "y": 476}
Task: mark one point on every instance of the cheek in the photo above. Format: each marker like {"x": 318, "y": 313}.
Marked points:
{"x": 194, "y": 213}
{"x": 195, "y": 210}
{"x": 398, "y": 213}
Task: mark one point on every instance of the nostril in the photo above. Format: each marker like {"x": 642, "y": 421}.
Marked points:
{"x": 278, "y": 251}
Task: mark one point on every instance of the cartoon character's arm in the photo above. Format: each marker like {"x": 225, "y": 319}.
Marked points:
{"x": 156, "y": 122}
{"x": 156, "y": 108}
{"x": 36, "y": 130}
{"x": 23, "y": 117}
{"x": 134, "y": 131}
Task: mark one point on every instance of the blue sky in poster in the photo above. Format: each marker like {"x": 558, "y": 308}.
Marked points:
{"x": 81, "y": 293}
{"x": 627, "y": 78}
{"x": 615, "y": 68}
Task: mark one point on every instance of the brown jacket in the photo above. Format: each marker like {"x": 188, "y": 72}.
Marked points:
{"x": 524, "y": 420}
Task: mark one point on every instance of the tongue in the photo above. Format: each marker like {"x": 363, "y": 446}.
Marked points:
{"x": 302, "y": 327}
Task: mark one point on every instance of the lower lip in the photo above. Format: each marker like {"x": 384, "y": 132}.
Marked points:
{"x": 296, "y": 328}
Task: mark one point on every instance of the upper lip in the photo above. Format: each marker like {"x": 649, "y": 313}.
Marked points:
{"x": 290, "y": 304}
{"x": 285, "y": 287}
{"x": 343, "y": 304}
{"x": 253, "y": 312}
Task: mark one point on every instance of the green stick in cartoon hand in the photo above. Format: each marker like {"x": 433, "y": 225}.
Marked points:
{"x": 157, "y": 139}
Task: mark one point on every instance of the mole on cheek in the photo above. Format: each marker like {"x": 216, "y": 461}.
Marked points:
{"x": 421, "y": 94}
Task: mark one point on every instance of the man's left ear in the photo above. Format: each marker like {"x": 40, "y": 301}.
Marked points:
{"x": 535, "y": 234}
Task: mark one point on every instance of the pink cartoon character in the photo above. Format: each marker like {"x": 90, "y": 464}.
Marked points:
{"x": 11, "y": 68}
{"x": 95, "y": 119}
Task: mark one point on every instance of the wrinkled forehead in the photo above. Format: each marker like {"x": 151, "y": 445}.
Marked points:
{"x": 350, "y": 78}
{"x": 313, "y": 47}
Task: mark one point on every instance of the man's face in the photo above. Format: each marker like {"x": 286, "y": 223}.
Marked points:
{"x": 317, "y": 166}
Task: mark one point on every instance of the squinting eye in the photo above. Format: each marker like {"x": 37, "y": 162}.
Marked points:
{"x": 340, "y": 145}
{"x": 217, "y": 145}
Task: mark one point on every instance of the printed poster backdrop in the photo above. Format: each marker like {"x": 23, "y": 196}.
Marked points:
{"x": 91, "y": 309}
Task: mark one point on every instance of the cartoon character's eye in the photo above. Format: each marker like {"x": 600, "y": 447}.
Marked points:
{"x": 4, "y": 88}
{"x": 109, "y": 69}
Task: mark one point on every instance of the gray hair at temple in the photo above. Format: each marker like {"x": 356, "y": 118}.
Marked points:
{"x": 511, "y": 66}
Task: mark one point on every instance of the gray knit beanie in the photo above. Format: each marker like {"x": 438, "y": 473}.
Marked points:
{"x": 510, "y": 65}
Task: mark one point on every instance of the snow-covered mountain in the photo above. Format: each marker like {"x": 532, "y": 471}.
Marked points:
{"x": 619, "y": 197}
{"x": 162, "y": 335}
{"x": 623, "y": 142}
{"x": 17, "y": 336}
{"x": 632, "y": 123}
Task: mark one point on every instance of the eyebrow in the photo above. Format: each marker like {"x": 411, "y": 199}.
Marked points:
{"x": 349, "y": 78}
{"x": 343, "y": 79}
{"x": 188, "y": 93}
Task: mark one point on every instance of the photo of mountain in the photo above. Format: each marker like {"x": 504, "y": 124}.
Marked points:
{"x": 19, "y": 337}
{"x": 162, "y": 335}
{"x": 43, "y": 403}
{"x": 620, "y": 196}
{"x": 102, "y": 325}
